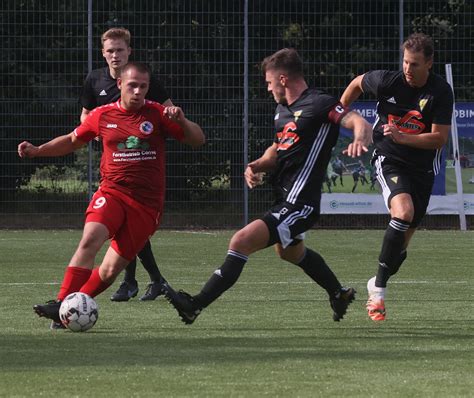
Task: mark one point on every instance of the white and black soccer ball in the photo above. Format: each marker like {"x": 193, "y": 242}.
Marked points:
{"x": 79, "y": 312}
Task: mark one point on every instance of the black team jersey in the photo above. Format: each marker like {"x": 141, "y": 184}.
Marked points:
{"x": 100, "y": 89}
{"x": 413, "y": 110}
{"x": 306, "y": 132}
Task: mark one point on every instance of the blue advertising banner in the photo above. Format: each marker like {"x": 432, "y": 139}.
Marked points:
{"x": 464, "y": 112}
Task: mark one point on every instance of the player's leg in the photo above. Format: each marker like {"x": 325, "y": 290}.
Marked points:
{"x": 253, "y": 237}
{"x": 129, "y": 286}
{"x": 314, "y": 265}
{"x": 78, "y": 272}
{"x": 104, "y": 275}
{"x": 138, "y": 224}
{"x": 396, "y": 187}
{"x": 155, "y": 287}
{"x": 355, "y": 177}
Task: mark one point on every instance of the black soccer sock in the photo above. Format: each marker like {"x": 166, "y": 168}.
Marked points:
{"x": 222, "y": 279}
{"x": 401, "y": 258}
{"x": 148, "y": 260}
{"x": 130, "y": 271}
{"x": 316, "y": 268}
{"x": 392, "y": 246}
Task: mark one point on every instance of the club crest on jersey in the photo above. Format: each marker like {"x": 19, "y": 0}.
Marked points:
{"x": 422, "y": 103}
{"x": 297, "y": 115}
{"x": 410, "y": 123}
{"x": 146, "y": 128}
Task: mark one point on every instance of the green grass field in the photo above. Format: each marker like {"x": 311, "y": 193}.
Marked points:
{"x": 271, "y": 335}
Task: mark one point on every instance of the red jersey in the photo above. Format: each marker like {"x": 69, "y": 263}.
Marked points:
{"x": 133, "y": 160}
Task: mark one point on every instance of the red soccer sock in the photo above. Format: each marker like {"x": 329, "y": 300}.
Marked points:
{"x": 95, "y": 285}
{"x": 74, "y": 278}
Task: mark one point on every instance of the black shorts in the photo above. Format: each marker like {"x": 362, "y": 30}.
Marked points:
{"x": 395, "y": 179}
{"x": 288, "y": 222}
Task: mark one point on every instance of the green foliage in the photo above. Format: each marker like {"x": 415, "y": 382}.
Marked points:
{"x": 197, "y": 49}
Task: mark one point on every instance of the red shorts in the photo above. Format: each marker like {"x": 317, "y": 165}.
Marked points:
{"x": 130, "y": 223}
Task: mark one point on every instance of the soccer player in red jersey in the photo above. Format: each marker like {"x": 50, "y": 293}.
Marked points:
{"x": 128, "y": 205}
{"x": 100, "y": 88}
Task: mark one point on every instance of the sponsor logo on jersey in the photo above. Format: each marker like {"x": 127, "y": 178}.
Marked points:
{"x": 102, "y": 93}
{"x": 111, "y": 126}
{"x": 392, "y": 100}
{"x": 146, "y": 128}
{"x": 132, "y": 144}
{"x": 410, "y": 123}
{"x": 297, "y": 115}
{"x": 287, "y": 138}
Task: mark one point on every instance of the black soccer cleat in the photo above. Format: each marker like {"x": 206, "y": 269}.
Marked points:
{"x": 57, "y": 325}
{"x": 184, "y": 303}
{"x": 125, "y": 292}
{"x": 49, "y": 310}
{"x": 340, "y": 301}
{"x": 153, "y": 290}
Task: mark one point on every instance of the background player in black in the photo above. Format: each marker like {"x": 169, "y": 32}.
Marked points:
{"x": 414, "y": 117}
{"x": 307, "y": 127}
{"x": 338, "y": 167}
{"x": 100, "y": 88}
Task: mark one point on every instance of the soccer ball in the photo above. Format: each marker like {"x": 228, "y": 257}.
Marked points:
{"x": 79, "y": 312}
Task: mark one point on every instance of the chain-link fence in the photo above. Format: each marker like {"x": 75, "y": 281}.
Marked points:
{"x": 206, "y": 54}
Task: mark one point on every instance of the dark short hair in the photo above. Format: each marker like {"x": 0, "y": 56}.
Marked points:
{"x": 286, "y": 60}
{"x": 138, "y": 66}
{"x": 419, "y": 42}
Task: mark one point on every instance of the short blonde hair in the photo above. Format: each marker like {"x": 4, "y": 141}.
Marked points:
{"x": 116, "y": 34}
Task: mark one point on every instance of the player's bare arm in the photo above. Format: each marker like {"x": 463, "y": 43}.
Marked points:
{"x": 255, "y": 170}
{"x": 58, "y": 146}
{"x": 436, "y": 139}
{"x": 193, "y": 134}
{"x": 353, "y": 91}
{"x": 84, "y": 114}
{"x": 362, "y": 134}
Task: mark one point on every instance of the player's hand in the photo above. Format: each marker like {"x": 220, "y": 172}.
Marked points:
{"x": 27, "y": 150}
{"x": 391, "y": 130}
{"x": 355, "y": 149}
{"x": 253, "y": 178}
{"x": 174, "y": 113}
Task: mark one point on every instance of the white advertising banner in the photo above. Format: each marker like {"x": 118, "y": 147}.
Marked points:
{"x": 348, "y": 203}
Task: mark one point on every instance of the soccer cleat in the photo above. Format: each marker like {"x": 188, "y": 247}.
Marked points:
{"x": 340, "y": 301}
{"x": 376, "y": 308}
{"x": 153, "y": 290}
{"x": 184, "y": 303}
{"x": 49, "y": 310}
{"x": 57, "y": 325}
{"x": 126, "y": 291}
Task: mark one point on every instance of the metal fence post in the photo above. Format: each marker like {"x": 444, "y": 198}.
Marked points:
{"x": 246, "y": 107}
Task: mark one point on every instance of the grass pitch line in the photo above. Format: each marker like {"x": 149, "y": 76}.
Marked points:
{"x": 409, "y": 282}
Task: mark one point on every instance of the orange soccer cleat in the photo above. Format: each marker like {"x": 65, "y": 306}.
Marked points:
{"x": 376, "y": 308}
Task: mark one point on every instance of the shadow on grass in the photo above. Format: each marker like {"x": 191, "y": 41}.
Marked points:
{"x": 202, "y": 346}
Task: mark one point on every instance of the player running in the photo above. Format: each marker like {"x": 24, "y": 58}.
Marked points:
{"x": 306, "y": 129}
{"x": 412, "y": 126}
{"x": 128, "y": 205}
{"x": 100, "y": 88}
